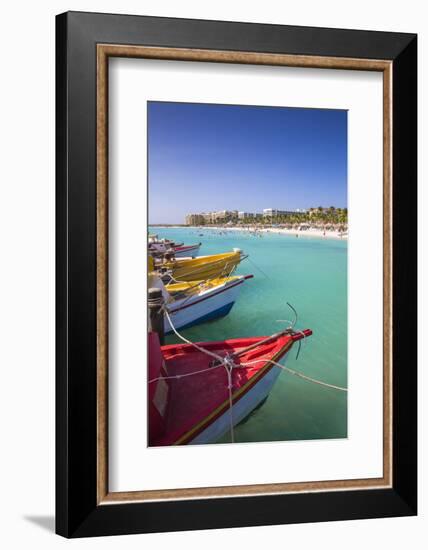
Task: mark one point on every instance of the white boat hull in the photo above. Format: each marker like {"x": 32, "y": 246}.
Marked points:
{"x": 241, "y": 409}
{"x": 188, "y": 252}
{"x": 205, "y": 306}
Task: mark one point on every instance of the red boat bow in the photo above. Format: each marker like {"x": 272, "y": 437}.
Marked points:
{"x": 301, "y": 334}
{"x": 183, "y": 401}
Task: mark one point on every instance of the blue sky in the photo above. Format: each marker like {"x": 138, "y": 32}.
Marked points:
{"x": 205, "y": 157}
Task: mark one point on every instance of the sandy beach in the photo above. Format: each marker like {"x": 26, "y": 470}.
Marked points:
{"x": 310, "y": 232}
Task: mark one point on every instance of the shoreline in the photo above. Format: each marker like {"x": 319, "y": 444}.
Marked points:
{"x": 311, "y": 232}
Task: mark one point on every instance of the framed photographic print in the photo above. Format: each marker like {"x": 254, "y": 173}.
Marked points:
{"x": 236, "y": 274}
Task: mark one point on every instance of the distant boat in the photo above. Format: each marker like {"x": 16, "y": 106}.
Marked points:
{"x": 154, "y": 240}
{"x": 196, "y": 408}
{"x": 184, "y": 251}
{"x": 160, "y": 247}
{"x": 196, "y": 302}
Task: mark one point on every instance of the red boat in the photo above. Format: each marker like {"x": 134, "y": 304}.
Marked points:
{"x": 189, "y": 397}
{"x": 159, "y": 247}
{"x": 184, "y": 251}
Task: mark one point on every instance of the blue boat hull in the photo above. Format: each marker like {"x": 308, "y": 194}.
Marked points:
{"x": 220, "y": 312}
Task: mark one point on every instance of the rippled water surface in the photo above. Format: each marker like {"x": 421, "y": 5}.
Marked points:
{"x": 311, "y": 274}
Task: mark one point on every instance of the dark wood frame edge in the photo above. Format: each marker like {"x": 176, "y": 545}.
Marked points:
{"x": 78, "y": 512}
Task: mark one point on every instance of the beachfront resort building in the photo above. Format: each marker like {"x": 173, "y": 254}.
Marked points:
{"x": 274, "y": 213}
{"x": 195, "y": 219}
{"x": 205, "y": 218}
{"x": 227, "y": 216}
{"x": 246, "y": 215}
{"x": 323, "y": 211}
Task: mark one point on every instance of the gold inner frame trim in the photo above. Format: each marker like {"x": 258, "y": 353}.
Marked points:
{"x": 104, "y": 51}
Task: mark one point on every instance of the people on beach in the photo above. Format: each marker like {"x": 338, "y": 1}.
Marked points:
{"x": 315, "y": 230}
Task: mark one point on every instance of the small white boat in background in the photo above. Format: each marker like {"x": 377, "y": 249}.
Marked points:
{"x": 158, "y": 247}
{"x": 184, "y": 251}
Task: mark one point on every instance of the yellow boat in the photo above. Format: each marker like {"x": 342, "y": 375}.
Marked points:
{"x": 203, "y": 267}
{"x": 190, "y": 288}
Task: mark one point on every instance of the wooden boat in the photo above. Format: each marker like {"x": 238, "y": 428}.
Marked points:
{"x": 178, "y": 251}
{"x": 196, "y": 407}
{"x": 203, "y": 267}
{"x": 154, "y": 240}
{"x": 159, "y": 247}
{"x": 184, "y": 251}
{"x": 196, "y": 302}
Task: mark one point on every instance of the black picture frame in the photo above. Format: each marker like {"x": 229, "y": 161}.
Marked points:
{"x": 77, "y": 511}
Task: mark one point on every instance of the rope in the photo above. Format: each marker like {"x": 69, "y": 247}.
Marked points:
{"x": 157, "y": 301}
{"x": 182, "y": 375}
{"x": 229, "y": 365}
{"x": 295, "y": 373}
{"x": 203, "y": 350}
{"x": 258, "y": 268}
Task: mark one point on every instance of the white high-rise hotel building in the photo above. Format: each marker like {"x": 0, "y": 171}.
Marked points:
{"x": 273, "y": 212}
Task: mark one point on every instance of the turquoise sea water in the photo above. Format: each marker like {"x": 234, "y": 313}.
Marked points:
{"x": 311, "y": 274}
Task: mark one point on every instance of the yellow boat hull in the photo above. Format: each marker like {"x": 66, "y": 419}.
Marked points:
{"x": 194, "y": 287}
{"x": 204, "y": 267}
